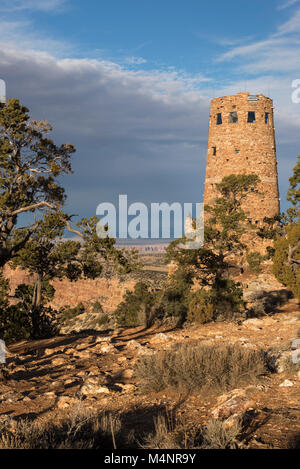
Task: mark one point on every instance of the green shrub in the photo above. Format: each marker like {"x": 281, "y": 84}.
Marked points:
{"x": 254, "y": 260}
{"x": 286, "y": 272}
{"x": 97, "y": 307}
{"x": 201, "y": 308}
{"x": 134, "y": 310}
{"x": 66, "y": 312}
{"x": 103, "y": 320}
{"x": 16, "y": 319}
{"x": 196, "y": 367}
{"x": 15, "y": 324}
{"x": 221, "y": 302}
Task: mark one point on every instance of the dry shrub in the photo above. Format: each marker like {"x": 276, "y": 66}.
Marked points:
{"x": 217, "y": 435}
{"x": 163, "y": 436}
{"x": 83, "y": 430}
{"x": 177, "y": 434}
{"x": 200, "y": 367}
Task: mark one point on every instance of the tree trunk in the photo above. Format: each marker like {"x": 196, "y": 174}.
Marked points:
{"x": 36, "y": 306}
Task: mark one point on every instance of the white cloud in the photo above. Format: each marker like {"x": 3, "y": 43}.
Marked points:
{"x": 290, "y": 26}
{"x": 136, "y": 132}
{"x": 20, "y": 35}
{"x": 278, "y": 52}
{"x": 135, "y": 60}
{"x": 287, "y": 4}
{"x": 141, "y": 132}
{"x": 21, "y": 5}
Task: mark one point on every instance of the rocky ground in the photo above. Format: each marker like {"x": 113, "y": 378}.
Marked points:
{"x": 95, "y": 370}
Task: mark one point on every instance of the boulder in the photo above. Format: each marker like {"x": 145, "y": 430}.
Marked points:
{"x": 94, "y": 385}
{"x": 64, "y": 402}
{"x": 235, "y": 404}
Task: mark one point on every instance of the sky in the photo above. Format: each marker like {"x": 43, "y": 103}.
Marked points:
{"x": 129, "y": 84}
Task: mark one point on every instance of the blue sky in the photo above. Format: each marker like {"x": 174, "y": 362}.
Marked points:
{"x": 129, "y": 84}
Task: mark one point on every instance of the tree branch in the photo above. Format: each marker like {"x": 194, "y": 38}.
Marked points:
{"x": 33, "y": 207}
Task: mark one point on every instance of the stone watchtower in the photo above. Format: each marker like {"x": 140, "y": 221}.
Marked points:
{"x": 242, "y": 141}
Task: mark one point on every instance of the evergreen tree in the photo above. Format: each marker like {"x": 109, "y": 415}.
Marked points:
{"x": 30, "y": 164}
{"x": 225, "y": 224}
{"x": 47, "y": 256}
{"x": 286, "y": 260}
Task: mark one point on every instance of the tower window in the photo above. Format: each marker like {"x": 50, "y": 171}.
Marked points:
{"x": 233, "y": 117}
{"x": 267, "y": 120}
{"x": 251, "y": 117}
{"x": 237, "y": 151}
{"x": 214, "y": 151}
{"x": 219, "y": 118}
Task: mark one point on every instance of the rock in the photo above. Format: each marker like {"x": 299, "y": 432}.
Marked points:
{"x": 125, "y": 374}
{"x": 58, "y": 361}
{"x": 50, "y": 394}
{"x": 161, "y": 336}
{"x": 126, "y": 388}
{"x": 69, "y": 382}
{"x": 64, "y": 402}
{"x": 121, "y": 359}
{"x": 26, "y": 399}
{"x": 286, "y": 384}
{"x": 55, "y": 384}
{"x": 295, "y": 344}
{"x": 48, "y": 351}
{"x": 231, "y": 421}
{"x": 71, "y": 351}
{"x": 276, "y": 360}
{"x": 10, "y": 396}
{"x": 90, "y": 390}
{"x": 100, "y": 340}
{"x": 292, "y": 320}
{"x": 234, "y": 403}
{"x": 134, "y": 344}
{"x": 145, "y": 351}
{"x": 84, "y": 354}
{"x": 128, "y": 373}
{"x": 93, "y": 386}
{"x": 253, "y": 323}
{"x": 107, "y": 348}
{"x": 92, "y": 371}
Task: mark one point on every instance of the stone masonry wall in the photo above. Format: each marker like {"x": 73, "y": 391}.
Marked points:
{"x": 244, "y": 148}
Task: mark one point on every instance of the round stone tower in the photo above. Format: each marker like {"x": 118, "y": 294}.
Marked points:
{"x": 242, "y": 141}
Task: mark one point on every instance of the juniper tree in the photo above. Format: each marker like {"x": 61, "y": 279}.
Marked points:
{"x": 47, "y": 256}
{"x": 30, "y": 164}
{"x": 286, "y": 260}
{"x": 225, "y": 224}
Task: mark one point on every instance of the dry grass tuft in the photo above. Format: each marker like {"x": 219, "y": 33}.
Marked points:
{"x": 200, "y": 367}
{"x": 170, "y": 434}
{"x": 83, "y": 430}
